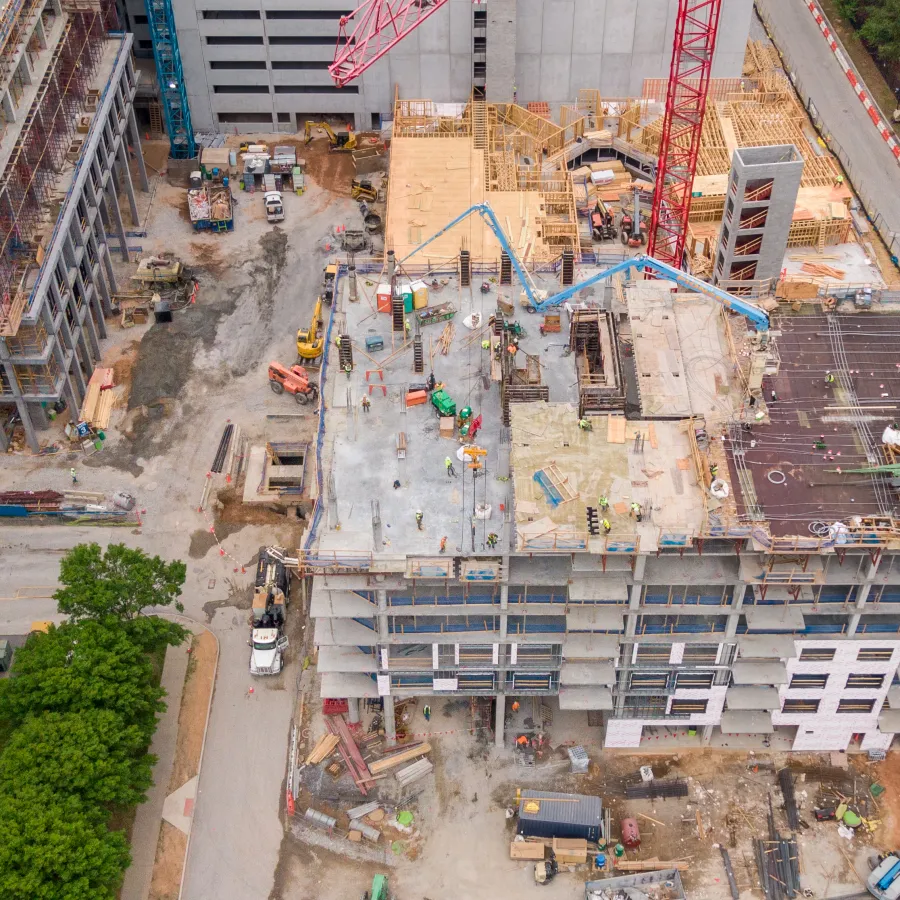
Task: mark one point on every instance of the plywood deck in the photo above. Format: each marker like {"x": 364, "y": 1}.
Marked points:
{"x": 432, "y": 181}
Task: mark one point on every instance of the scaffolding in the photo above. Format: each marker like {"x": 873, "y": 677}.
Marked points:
{"x": 40, "y": 151}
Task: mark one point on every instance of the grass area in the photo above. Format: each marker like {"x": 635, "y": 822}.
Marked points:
{"x": 861, "y": 59}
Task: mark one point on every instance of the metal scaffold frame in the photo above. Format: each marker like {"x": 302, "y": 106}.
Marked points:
{"x": 692, "y": 55}
{"x": 40, "y": 151}
{"x": 172, "y": 90}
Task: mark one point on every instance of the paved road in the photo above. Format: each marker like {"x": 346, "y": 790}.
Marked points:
{"x": 872, "y": 168}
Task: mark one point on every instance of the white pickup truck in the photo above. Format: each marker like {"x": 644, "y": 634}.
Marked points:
{"x": 274, "y": 206}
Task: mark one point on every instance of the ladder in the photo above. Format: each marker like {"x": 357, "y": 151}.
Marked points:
{"x": 567, "y": 270}
{"x": 479, "y": 124}
{"x": 505, "y": 268}
{"x": 345, "y": 353}
{"x": 418, "y": 355}
{"x": 156, "y": 126}
{"x": 397, "y": 316}
{"x": 465, "y": 268}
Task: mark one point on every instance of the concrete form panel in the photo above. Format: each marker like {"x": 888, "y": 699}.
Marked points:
{"x": 728, "y": 65}
{"x": 587, "y": 33}
{"x": 616, "y": 74}
{"x": 434, "y": 33}
{"x": 647, "y": 65}
{"x": 619, "y": 24}
{"x": 435, "y": 77}
{"x": 734, "y": 27}
{"x": 554, "y": 84}
{"x": 460, "y": 75}
{"x": 528, "y": 31}
{"x": 652, "y": 21}
{"x": 378, "y": 91}
{"x": 556, "y": 30}
{"x": 460, "y": 23}
{"x": 528, "y": 77}
{"x": 405, "y": 71}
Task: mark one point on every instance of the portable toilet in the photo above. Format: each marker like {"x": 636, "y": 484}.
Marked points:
{"x": 407, "y": 294}
{"x": 383, "y": 298}
{"x": 420, "y": 294}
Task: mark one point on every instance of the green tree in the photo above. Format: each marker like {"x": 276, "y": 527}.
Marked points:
{"x": 119, "y": 582}
{"x": 82, "y": 666}
{"x": 53, "y": 847}
{"x": 92, "y": 754}
{"x": 881, "y": 29}
{"x": 849, "y": 9}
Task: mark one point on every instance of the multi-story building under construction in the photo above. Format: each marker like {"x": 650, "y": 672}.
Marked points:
{"x": 68, "y": 131}
{"x": 641, "y": 509}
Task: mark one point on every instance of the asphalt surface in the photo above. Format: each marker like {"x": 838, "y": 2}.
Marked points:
{"x": 872, "y": 168}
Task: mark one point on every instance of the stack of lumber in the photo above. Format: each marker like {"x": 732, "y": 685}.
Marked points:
{"x": 446, "y": 338}
{"x": 325, "y": 746}
{"x": 650, "y": 865}
{"x": 99, "y": 399}
{"x": 822, "y": 270}
{"x": 608, "y": 192}
{"x": 356, "y": 765}
{"x": 405, "y": 755}
{"x": 409, "y": 774}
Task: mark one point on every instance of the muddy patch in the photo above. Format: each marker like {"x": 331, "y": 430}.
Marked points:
{"x": 240, "y": 596}
{"x": 203, "y": 540}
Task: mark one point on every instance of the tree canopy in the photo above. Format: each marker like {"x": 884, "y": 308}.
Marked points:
{"x": 54, "y": 847}
{"x": 878, "y": 22}
{"x": 119, "y": 582}
{"x": 92, "y": 754}
{"x": 82, "y": 666}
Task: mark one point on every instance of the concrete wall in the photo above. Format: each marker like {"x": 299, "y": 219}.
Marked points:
{"x": 560, "y": 46}
{"x": 565, "y": 45}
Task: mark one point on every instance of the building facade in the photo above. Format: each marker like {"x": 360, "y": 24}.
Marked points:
{"x": 69, "y": 124}
{"x": 262, "y": 65}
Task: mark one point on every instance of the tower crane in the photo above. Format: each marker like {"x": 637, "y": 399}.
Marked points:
{"x": 696, "y": 26}
{"x": 538, "y": 301}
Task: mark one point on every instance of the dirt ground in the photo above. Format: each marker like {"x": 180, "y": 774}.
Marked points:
{"x": 460, "y": 843}
{"x": 195, "y": 700}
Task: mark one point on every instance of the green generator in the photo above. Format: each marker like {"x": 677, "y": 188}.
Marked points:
{"x": 443, "y": 403}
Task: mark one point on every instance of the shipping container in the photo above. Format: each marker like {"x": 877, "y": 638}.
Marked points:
{"x": 549, "y": 814}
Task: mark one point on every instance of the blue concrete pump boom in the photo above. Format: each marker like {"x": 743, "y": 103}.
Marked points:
{"x": 754, "y": 314}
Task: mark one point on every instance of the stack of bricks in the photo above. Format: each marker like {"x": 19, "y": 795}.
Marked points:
{"x": 539, "y": 108}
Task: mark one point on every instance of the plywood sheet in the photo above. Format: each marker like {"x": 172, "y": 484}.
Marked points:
{"x": 615, "y": 430}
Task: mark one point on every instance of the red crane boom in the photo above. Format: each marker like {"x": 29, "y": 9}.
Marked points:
{"x": 377, "y": 25}
{"x": 679, "y": 146}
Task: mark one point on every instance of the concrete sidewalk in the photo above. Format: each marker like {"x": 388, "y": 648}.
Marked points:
{"x": 869, "y": 162}
{"x": 145, "y": 834}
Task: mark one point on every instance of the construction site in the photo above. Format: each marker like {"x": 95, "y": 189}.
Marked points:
{"x": 535, "y": 464}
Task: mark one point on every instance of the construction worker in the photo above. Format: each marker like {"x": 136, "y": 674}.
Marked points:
{"x": 366, "y": 403}
{"x": 512, "y": 348}
{"x": 515, "y": 706}
{"x": 407, "y": 327}
{"x": 492, "y": 540}
{"x": 604, "y": 504}
{"x": 839, "y": 181}
{"x": 476, "y": 427}
{"x": 420, "y": 518}
{"x": 485, "y": 344}
{"x": 829, "y": 378}
{"x": 337, "y": 342}
{"x": 774, "y": 397}
{"x": 74, "y": 475}
{"x": 448, "y": 463}
{"x": 522, "y": 741}
{"x": 584, "y": 425}
{"x": 637, "y": 512}
{"x": 713, "y": 470}
{"x": 606, "y": 526}
{"x": 431, "y": 382}
{"x": 444, "y": 544}
{"x": 426, "y": 711}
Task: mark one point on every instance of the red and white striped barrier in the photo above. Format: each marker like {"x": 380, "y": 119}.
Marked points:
{"x": 884, "y": 129}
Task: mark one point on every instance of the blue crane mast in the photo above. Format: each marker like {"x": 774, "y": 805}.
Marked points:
{"x": 161, "y": 19}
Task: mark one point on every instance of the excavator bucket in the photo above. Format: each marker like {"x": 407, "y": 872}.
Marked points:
{"x": 379, "y": 888}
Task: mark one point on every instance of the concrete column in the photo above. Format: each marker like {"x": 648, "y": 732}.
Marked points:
{"x": 21, "y": 405}
{"x": 138, "y": 149}
{"x": 39, "y": 414}
{"x": 88, "y": 326}
{"x": 100, "y": 282}
{"x": 738, "y": 594}
{"x": 707, "y": 734}
{"x": 862, "y": 595}
{"x": 4, "y": 442}
{"x": 390, "y": 727}
{"x": 110, "y": 274}
{"x": 353, "y": 710}
{"x": 383, "y": 634}
{"x": 129, "y": 187}
{"x": 500, "y": 77}
{"x": 116, "y": 213}
{"x": 500, "y": 720}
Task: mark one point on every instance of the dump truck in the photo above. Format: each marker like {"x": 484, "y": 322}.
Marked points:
{"x": 884, "y": 880}
{"x": 274, "y": 206}
{"x": 271, "y": 595}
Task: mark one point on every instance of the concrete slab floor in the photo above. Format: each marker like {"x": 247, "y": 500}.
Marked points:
{"x": 858, "y": 265}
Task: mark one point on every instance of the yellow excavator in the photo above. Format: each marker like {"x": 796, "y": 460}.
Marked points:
{"x": 340, "y": 140}
{"x": 310, "y": 343}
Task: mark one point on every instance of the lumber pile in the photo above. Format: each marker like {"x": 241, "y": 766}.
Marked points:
{"x": 650, "y": 865}
{"x": 415, "y": 772}
{"x": 822, "y": 270}
{"x": 446, "y": 338}
{"x": 349, "y": 751}
{"x": 325, "y": 746}
{"x": 99, "y": 399}
{"x": 397, "y": 759}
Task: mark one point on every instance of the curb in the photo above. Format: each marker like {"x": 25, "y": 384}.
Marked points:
{"x": 856, "y": 82}
{"x": 212, "y": 693}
